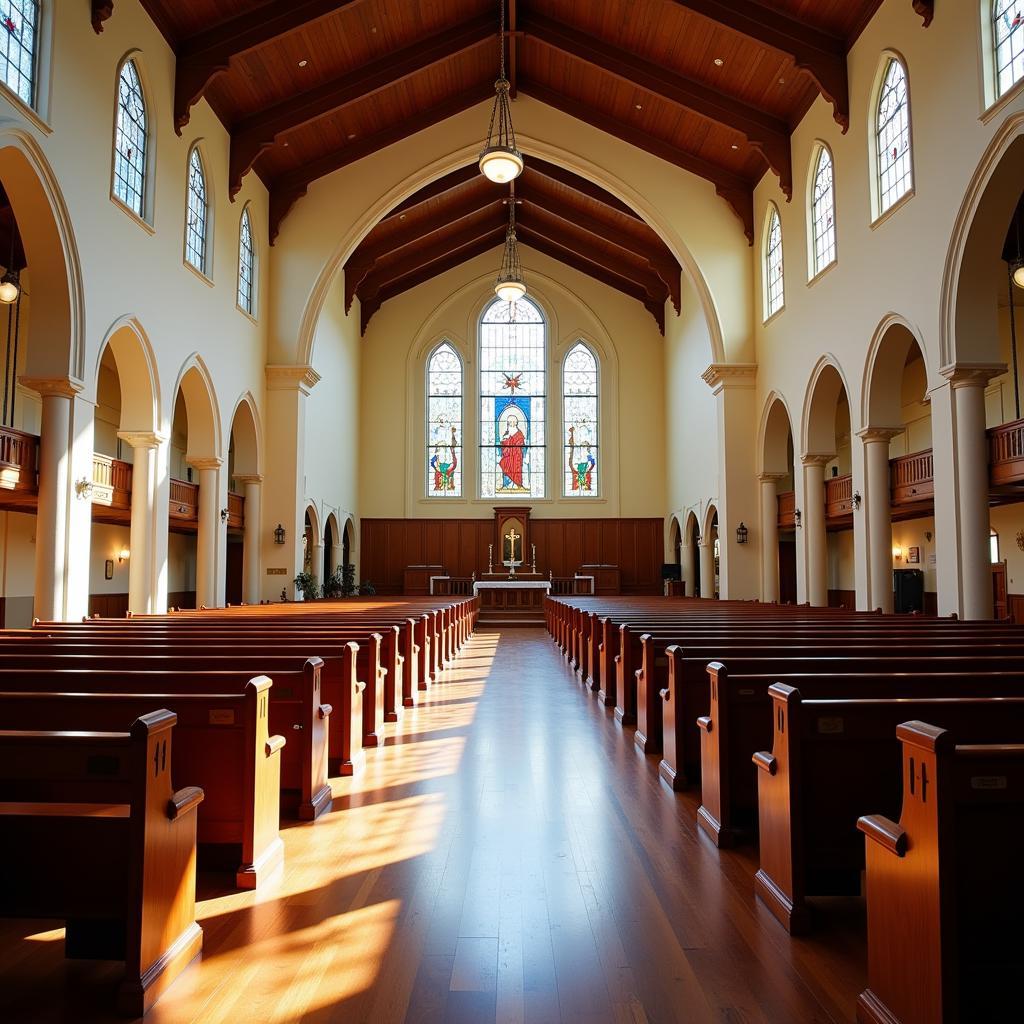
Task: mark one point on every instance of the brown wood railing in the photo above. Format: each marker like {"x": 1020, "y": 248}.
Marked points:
{"x": 911, "y": 478}
{"x": 787, "y": 510}
{"x": 838, "y": 496}
{"x": 236, "y": 510}
{"x": 19, "y": 457}
{"x": 1006, "y": 454}
{"x": 449, "y": 586}
{"x": 184, "y": 501}
{"x": 572, "y": 585}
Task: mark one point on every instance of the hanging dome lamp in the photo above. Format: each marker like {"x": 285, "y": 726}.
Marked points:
{"x": 510, "y": 286}
{"x": 500, "y": 161}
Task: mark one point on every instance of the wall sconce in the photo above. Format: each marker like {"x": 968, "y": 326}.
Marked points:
{"x": 697, "y": 538}
{"x": 897, "y": 554}
{"x": 83, "y": 488}
{"x": 742, "y": 533}
{"x": 856, "y": 501}
{"x": 223, "y": 515}
{"x": 796, "y": 518}
{"x": 279, "y": 534}
{"x": 123, "y": 555}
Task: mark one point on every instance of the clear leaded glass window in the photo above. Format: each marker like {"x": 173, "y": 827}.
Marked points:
{"x": 774, "y": 292}
{"x": 444, "y": 423}
{"x": 1008, "y": 31}
{"x": 892, "y": 134}
{"x": 246, "y": 266}
{"x": 195, "y": 219}
{"x": 130, "y": 140}
{"x": 18, "y": 39}
{"x": 823, "y": 213}
{"x": 512, "y": 394}
{"x": 580, "y": 422}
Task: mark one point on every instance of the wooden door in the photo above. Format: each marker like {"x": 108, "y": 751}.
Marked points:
{"x": 999, "y": 607}
{"x": 787, "y": 571}
{"x": 233, "y": 587}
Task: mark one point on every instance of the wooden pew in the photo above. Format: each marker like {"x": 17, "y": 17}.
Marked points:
{"x": 833, "y": 761}
{"x": 92, "y": 833}
{"x": 943, "y": 886}
{"x": 221, "y": 741}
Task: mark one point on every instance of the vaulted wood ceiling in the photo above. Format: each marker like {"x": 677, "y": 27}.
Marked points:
{"x": 308, "y": 86}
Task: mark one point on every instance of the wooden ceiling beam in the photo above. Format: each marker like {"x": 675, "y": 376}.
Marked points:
{"x": 286, "y": 190}
{"x": 579, "y": 184}
{"x": 513, "y": 49}
{"x": 102, "y": 10}
{"x": 253, "y": 135}
{"x": 738, "y": 192}
{"x": 426, "y": 271}
{"x": 206, "y": 54}
{"x": 926, "y": 8}
{"x": 821, "y": 54}
{"x": 766, "y": 134}
{"x": 438, "y": 187}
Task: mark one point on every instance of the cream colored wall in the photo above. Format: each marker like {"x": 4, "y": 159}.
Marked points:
{"x": 17, "y": 561}
{"x": 915, "y": 533}
{"x": 406, "y": 329}
{"x": 1008, "y": 521}
{"x": 107, "y": 542}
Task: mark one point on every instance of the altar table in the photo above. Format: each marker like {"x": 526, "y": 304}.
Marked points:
{"x": 511, "y": 602}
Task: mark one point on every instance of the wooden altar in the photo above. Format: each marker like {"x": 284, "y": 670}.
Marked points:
{"x": 511, "y": 600}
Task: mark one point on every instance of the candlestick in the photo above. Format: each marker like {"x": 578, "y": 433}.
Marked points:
{"x": 533, "y": 547}
{"x": 490, "y": 559}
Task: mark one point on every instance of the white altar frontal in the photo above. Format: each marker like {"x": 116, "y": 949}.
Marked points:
{"x": 511, "y": 601}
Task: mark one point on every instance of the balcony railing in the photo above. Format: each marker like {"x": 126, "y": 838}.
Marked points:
{"x": 236, "y": 510}
{"x": 912, "y": 478}
{"x": 184, "y": 500}
{"x": 787, "y": 510}
{"x": 1006, "y": 454}
{"x": 838, "y": 497}
{"x": 19, "y": 457}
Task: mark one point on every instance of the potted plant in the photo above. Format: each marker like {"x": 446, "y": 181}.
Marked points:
{"x": 307, "y": 585}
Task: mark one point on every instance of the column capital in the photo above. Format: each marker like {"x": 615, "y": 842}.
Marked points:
{"x": 47, "y": 387}
{"x": 816, "y": 459}
{"x": 142, "y": 438}
{"x": 871, "y": 434}
{"x": 730, "y": 375}
{"x": 205, "y": 462}
{"x": 291, "y": 378}
{"x": 250, "y": 478}
{"x": 771, "y": 478}
{"x": 971, "y": 375}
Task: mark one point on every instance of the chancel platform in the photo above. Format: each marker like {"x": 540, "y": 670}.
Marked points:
{"x": 507, "y": 600}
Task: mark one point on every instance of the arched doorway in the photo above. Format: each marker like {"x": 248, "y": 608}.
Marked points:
{"x": 710, "y": 555}
{"x": 312, "y": 548}
{"x": 778, "y": 505}
{"x": 691, "y": 555}
{"x": 244, "y": 506}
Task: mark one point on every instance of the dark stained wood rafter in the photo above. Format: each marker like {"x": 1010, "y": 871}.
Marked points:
{"x": 926, "y": 8}
{"x": 207, "y": 54}
{"x": 767, "y": 134}
{"x": 582, "y": 185}
{"x": 513, "y": 48}
{"x": 258, "y": 132}
{"x": 102, "y": 10}
{"x": 735, "y": 190}
{"x": 821, "y": 54}
{"x": 289, "y": 188}
{"x": 436, "y": 188}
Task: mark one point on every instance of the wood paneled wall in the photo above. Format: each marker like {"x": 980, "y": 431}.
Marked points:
{"x": 563, "y": 545}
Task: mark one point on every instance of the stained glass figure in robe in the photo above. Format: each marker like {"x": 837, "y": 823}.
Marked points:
{"x": 444, "y": 423}
{"x": 580, "y": 422}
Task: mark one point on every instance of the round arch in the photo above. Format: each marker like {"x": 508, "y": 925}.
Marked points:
{"x": 881, "y": 403}
{"x": 711, "y": 520}
{"x": 204, "y": 431}
{"x": 137, "y": 372}
{"x": 826, "y": 385}
{"x": 775, "y": 436}
{"x": 246, "y": 435}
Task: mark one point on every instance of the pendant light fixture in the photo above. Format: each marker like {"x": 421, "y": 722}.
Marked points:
{"x": 10, "y": 284}
{"x": 500, "y": 161}
{"x": 510, "y": 286}
{"x": 1017, "y": 265}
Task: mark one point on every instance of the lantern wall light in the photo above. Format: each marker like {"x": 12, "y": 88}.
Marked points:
{"x": 742, "y": 533}
{"x": 279, "y": 534}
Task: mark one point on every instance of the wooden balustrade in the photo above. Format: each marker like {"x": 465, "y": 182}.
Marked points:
{"x": 184, "y": 501}
{"x": 787, "y": 510}
{"x": 236, "y": 510}
{"x": 912, "y": 479}
{"x": 1006, "y": 454}
{"x": 19, "y": 458}
{"x": 838, "y": 497}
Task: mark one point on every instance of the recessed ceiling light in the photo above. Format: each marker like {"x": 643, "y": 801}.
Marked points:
{"x": 639, "y": 106}
{"x": 286, "y": 144}
{"x": 401, "y": 216}
{"x": 719, "y": 62}
{"x": 782, "y": 81}
{"x": 303, "y": 63}
{"x": 351, "y": 135}
{"x": 734, "y": 146}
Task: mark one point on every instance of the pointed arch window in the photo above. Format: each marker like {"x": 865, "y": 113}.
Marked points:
{"x": 197, "y": 213}
{"x": 444, "y": 423}
{"x": 823, "y": 214}
{"x": 513, "y": 393}
{"x": 19, "y": 40}
{"x": 130, "y": 139}
{"x": 580, "y": 423}
{"x": 1008, "y": 40}
{"x": 774, "y": 289}
{"x": 246, "y": 265}
{"x": 892, "y": 137}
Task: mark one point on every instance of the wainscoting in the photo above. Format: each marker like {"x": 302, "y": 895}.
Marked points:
{"x": 563, "y": 545}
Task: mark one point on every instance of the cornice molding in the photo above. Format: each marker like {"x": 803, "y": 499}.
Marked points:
{"x": 292, "y": 378}
{"x": 205, "y": 462}
{"x": 730, "y": 375}
{"x": 142, "y": 438}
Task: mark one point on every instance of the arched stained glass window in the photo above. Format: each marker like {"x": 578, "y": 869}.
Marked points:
{"x": 892, "y": 137}
{"x": 19, "y": 37}
{"x": 580, "y": 422}
{"x": 246, "y": 266}
{"x": 130, "y": 140}
{"x": 513, "y": 387}
{"x": 196, "y": 214}
{"x": 823, "y": 213}
{"x": 444, "y": 423}
{"x": 774, "y": 291}
{"x": 1008, "y": 38}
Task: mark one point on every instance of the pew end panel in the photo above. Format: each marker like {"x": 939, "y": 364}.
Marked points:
{"x": 671, "y": 767}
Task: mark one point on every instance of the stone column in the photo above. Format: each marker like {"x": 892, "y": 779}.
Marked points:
{"x": 208, "y": 535}
{"x": 770, "y": 536}
{"x": 688, "y": 569}
{"x": 813, "y": 522}
{"x": 316, "y": 560}
{"x": 251, "y": 544}
{"x": 707, "y": 567}
{"x": 970, "y": 466}
{"x": 877, "y": 515}
{"x": 143, "y": 568}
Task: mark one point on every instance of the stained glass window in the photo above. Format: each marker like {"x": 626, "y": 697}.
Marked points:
{"x": 823, "y": 213}
{"x": 1008, "y": 29}
{"x": 444, "y": 423}
{"x": 246, "y": 266}
{"x": 512, "y": 393}
{"x": 18, "y": 39}
{"x": 774, "y": 292}
{"x": 130, "y": 140}
{"x": 580, "y": 423}
{"x": 892, "y": 134}
{"x": 195, "y": 219}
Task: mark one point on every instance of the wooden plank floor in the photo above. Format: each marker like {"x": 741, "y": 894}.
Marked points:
{"x": 508, "y": 856}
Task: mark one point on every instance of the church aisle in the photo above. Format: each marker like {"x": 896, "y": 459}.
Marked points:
{"x": 507, "y": 856}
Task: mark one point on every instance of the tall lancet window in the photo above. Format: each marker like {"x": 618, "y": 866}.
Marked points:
{"x": 823, "y": 214}
{"x": 1008, "y": 33}
{"x": 444, "y": 423}
{"x": 580, "y": 422}
{"x": 774, "y": 290}
{"x": 130, "y": 139}
{"x": 19, "y": 39}
{"x": 513, "y": 389}
{"x": 892, "y": 137}
{"x": 196, "y": 214}
{"x": 246, "y": 266}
